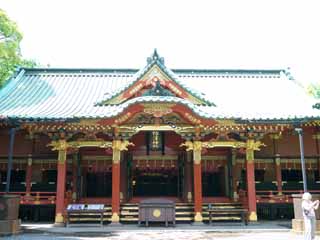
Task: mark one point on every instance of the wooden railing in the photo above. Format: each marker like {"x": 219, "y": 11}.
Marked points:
{"x": 35, "y": 198}
{"x": 270, "y": 196}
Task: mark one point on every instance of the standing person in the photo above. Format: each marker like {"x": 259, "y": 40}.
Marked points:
{"x": 309, "y": 216}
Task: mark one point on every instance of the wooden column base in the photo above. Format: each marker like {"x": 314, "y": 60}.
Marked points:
{"x": 115, "y": 220}
{"x": 253, "y": 217}
{"x": 198, "y": 217}
{"x": 115, "y": 217}
{"x": 59, "y": 220}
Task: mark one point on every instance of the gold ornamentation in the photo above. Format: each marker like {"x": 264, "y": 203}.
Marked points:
{"x": 196, "y": 147}
{"x": 192, "y": 119}
{"x": 59, "y": 145}
{"x": 121, "y": 145}
{"x": 99, "y": 144}
{"x": 87, "y": 122}
{"x": 115, "y": 217}
{"x": 136, "y": 88}
{"x": 275, "y": 136}
{"x": 232, "y": 144}
{"x": 123, "y": 118}
{"x": 158, "y": 110}
{"x": 188, "y": 145}
{"x": 214, "y": 144}
{"x": 254, "y": 145}
{"x": 253, "y": 217}
{"x": 316, "y": 136}
{"x": 62, "y": 146}
{"x": 249, "y": 155}
{"x": 226, "y": 123}
{"x": 174, "y": 89}
{"x": 59, "y": 218}
{"x": 198, "y": 217}
{"x": 156, "y": 213}
{"x": 316, "y": 123}
{"x": 62, "y": 156}
{"x": 117, "y": 147}
{"x": 251, "y": 147}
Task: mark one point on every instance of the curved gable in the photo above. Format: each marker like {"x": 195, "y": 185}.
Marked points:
{"x": 155, "y": 73}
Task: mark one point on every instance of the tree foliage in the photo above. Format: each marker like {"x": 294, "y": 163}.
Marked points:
{"x": 314, "y": 90}
{"x": 10, "y": 56}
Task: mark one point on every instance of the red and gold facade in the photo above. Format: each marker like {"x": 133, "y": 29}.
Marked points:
{"x": 159, "y": 144}
{"x": 206, "y": 149}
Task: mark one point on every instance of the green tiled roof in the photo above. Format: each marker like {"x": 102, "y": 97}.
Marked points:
{"x": 248, "y": 95}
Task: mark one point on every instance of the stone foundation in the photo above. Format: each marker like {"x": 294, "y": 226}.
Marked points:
{"x": 9, "y": 227}
{"x": 298, "y": 226}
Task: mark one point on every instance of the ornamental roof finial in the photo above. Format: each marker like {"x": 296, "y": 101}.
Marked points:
{"x": 287, "y": 72}
{"x": 155, "y": 57}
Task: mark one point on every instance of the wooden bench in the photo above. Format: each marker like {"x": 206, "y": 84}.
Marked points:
{"x": 74, "y": 210}
{"x": 243, "y": 213}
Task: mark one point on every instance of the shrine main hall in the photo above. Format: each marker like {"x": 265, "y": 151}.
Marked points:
{"x": 196, "y": 137}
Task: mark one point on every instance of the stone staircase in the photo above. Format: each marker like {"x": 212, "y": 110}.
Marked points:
{"x": 184, "y": 212}
{"x": 129, "y": 213}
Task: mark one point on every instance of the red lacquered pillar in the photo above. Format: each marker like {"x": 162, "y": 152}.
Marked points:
{"x": 116, "y": 157}
{"x": 251, "y": 187}
{"x": 197, "y": 181}
{"x": 29, "y": 175}
{"x": 61, "y": 180}
{"x": 278, "y": 174}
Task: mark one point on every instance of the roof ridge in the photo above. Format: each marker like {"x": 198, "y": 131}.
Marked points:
{"x": 175, "y": 70}
{"x": 81, "y": 70}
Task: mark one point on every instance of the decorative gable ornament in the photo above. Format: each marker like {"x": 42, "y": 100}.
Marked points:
{"x": 158, "y": 90}
{"x": 163, "y": 81}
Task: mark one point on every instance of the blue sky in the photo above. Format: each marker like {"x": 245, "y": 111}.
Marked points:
{"x": 188, "y": 34}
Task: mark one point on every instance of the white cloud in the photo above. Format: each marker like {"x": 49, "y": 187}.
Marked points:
{"x": 189, "y": 34}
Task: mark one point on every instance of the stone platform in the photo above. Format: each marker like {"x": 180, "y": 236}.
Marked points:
{"x": 298, "y": 226}
{"x": 8, "y": 227}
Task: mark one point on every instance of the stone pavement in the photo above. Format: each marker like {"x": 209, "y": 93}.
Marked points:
{"x": 163, "y": 235}
{"x": 259, "y": 231}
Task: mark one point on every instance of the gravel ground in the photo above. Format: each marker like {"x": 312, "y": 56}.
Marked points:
{"x": 161, "y": 235}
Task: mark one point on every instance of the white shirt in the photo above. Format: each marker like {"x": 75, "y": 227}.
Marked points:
{"x": 307, "y": 208}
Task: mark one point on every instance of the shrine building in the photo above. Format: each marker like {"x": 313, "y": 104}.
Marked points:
{"x": 118, "y": 136}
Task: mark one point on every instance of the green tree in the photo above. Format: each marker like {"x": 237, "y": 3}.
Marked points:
{"x": 10, "y": 56}
{"x": 314, "y": 90}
